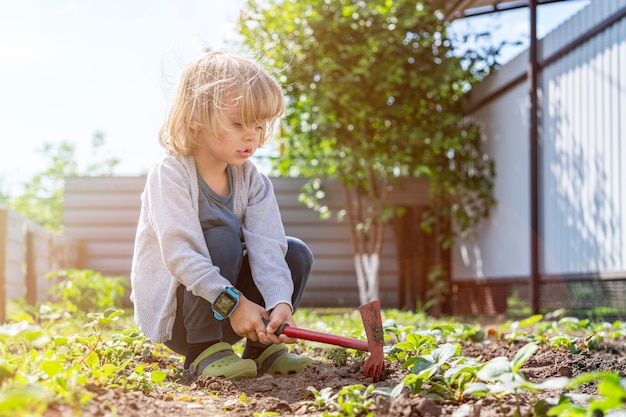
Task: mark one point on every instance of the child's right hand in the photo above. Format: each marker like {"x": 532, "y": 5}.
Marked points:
{"x": 247, "y": 320}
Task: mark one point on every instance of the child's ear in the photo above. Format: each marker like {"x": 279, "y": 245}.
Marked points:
{"x": 193, "y": 125}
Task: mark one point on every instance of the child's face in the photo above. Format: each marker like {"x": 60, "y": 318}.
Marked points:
{"x": 235, "y": 143}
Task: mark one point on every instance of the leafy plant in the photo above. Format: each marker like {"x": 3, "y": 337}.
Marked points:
{"x": 338, "y": 356}
{"x": 517, "y": 306}
{"x": 502, "y": 377}
{"x": 48, "y": 356}
{"x": 393, "y": 66}
{"x": 438, "y": 289}
{"x": 441, "y": 373}
{"x": 86, "y": 290}
{"x": 40, "y": 368}
{"x": 611, "y": 400}
{"x": 349, "y": 401}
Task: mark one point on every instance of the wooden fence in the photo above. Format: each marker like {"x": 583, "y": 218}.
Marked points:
{"x": 102, "y": 212}
{"x": 100, "y": 218}
{"x": 28, "y": 253}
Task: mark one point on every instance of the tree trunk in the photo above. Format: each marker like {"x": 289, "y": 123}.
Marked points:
{"x": 367, "y": 267}
{"x": 367, "y": 244}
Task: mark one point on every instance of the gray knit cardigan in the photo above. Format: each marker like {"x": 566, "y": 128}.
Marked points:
{"x": 170, "y": 249}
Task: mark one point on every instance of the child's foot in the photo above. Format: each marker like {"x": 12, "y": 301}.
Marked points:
{"x": 219, "y": 360}
{"x": 278, "y": 361}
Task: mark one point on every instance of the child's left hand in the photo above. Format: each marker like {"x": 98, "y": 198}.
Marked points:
{"x": 279, "y": 315}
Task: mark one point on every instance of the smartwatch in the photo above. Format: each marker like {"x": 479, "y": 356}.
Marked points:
{"x": 225, "y": 303}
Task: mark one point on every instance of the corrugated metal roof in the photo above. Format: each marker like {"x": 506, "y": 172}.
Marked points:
{"x": 456, "y": 9}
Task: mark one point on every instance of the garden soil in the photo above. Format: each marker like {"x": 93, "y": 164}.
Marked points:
{"x": 291, "y": 396}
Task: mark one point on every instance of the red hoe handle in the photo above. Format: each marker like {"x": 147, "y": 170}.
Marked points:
{"x": 331, "y": 339}
{"x": 370, "y": 313}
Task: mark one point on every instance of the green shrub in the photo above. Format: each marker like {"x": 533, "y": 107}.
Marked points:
{"x": 88, "y": 291}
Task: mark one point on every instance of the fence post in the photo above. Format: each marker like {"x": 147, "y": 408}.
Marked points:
{"x": 3, "y": 262}
{"x": 31, "y": 268}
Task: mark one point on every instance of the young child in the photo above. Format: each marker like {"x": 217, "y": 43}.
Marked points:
{"x": 212, "y": 263}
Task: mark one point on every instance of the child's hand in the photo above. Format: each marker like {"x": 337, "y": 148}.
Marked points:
{"x": 280, "y": 314}
{"x": 247, "y": 320}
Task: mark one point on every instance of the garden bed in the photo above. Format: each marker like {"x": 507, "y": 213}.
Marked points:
{"x": 60, "y": 360}
{"x": 292, "y": 396}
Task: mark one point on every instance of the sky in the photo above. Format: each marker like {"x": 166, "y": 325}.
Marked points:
{"x": 69, "y": 69}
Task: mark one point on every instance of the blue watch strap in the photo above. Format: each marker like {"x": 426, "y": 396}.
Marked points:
{"x": 225, "y": 303}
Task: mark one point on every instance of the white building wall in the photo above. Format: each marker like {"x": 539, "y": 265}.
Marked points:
{"x": 583, "y": 150}
{"x": 503, "y": 244}
{"x": 583, "y": 127}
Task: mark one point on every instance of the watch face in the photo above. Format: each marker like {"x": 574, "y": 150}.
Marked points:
{"x": 224, "y": 304}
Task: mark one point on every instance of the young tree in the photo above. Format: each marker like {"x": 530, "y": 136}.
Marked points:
{"x": 375, "y": 94}
{"x": 42, "y": 197}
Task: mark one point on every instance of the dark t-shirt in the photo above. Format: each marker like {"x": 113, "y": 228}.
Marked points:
{"x": 217, "y": 210}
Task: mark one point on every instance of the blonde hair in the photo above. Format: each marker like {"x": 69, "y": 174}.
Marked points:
{"x": 211, "y": 84}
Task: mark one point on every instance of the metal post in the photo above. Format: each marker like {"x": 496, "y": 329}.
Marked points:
{"x": 534, "y": 162}
{"x": 4, "y": 237}
{"x": 31, "y": 268}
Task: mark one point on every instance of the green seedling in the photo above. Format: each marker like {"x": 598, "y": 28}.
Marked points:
{"x": 459, "y": 375}
{"x": 324, "y": 399}
{"x": 82, "y": 290}
{"x": 349, "y": 401}
{"x": 573, "y": 324}
{"x": 611, "y": 400}
{"x": 417, "y": 343}
{"x": 398, "y": 333}
{"x": 519, "y": 330}
{"x": 502, "y": 378}
{"x": 338, "y": 356}
{"x": 570, "y": 343}
{"x": 466, "y": 332}
{"x": 442, "y": 373}
{"x": 49, "y": 355}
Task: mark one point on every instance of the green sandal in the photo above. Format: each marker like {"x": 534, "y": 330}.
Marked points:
{"x": 220, "y": 360}
{"x": 278, "y": 361}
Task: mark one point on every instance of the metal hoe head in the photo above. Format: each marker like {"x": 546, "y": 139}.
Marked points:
{"x": 370, "y": 313}
{"x": 372, "y": 322}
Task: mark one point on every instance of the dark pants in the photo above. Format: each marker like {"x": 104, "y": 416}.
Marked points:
{"x": 195, "y": 322}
